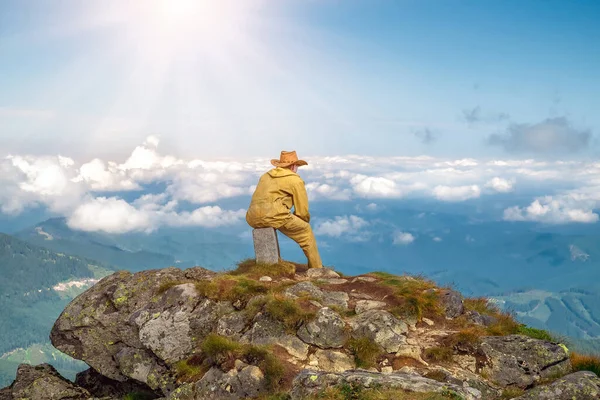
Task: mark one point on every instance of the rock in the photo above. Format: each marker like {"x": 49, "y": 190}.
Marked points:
{"x": 42, "y": 382}
{"x": 480, "y": 319}
{"x": 364, "y": 279}
{"x": 309, "y": 383}
{"x": 518, "y": 360}
{"x": 101, "y": 386}
{"x": 142, "y": 366}
{"x": 330, "y": 360}
{"x": 582, "y": 385}
{"x": 428, "y": 321}
{"x": 322, "y": 273}
{"x": 232, "y": 325}
{"x": 231, "y": 385}
{"x": 308, "y": 289}
{"x": 362, "y": 296}
{"x": 125, "y": 313}
{"x": 266, "y": 245}
{"x": 466, "y": 362}
{"x": 387, "y": 370}
{"x": 334, "y": 281}
{"x": 411, "y": 351}
{"x": 6, "y": 394}
{"x": 366, "y": 305}
{"x": 265, "y": 279}
{"x": 267, "y": 330}
{"x": 381, "y": 327}
{"x": 452, "y": 302}
{"x": 465, "y": 379}
{"x": 326, "y": 330}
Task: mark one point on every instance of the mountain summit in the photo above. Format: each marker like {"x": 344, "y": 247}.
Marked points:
{"x": 285, "y": 332}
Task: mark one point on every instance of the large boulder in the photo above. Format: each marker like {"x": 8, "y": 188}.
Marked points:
{"x": 326, "y": 330}
{"x": 308, "y": 383}
{"x": 520, "y": 361}
{"x": 583, "y": 385}
{"x": 135, "y": 326}
{"x": 382, "y": 328}
{"x": 42, "y": 382}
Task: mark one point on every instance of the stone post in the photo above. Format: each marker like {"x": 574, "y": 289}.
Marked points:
{"x": 266, "y": 245}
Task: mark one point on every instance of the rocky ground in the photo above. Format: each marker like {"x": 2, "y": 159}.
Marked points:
{"x": 282, "y": 332}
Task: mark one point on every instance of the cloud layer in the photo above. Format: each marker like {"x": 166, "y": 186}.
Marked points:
{"x": 92, "y": 194}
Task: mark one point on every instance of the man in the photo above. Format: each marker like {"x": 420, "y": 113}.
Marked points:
{"x": 279, "y": 190}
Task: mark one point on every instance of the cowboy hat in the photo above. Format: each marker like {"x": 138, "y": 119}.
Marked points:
{"x": 288, "y": 158}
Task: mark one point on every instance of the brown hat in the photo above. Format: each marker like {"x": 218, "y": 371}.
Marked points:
{"x": 288, "y": 158}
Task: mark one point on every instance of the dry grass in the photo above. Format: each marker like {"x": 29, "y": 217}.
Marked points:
{"x": 231, "y": 288}
{"x": 481, "y": 305}
{"x": 582, "y": 362}
{"x": 251, "y": 269}
{"x": 439, "y": 354}
{"x": 168, "y": 285}
{"x": 288, "y": 311}
{"x": 412, "y": 295}
{"x": 355, "y": 391}
{"x": 512, "y": 392}
{"x": 365, "y": 351}
{"x": 219, "y": 351}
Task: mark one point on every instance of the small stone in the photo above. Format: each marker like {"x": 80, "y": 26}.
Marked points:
{"x": 265, "y": 279}
{"x": 322, "y": 273}
{"x": 366, "y": 305}
{"x": 239, "y": 364}
{"x": 332, "y": 361}
{"x": 335, "y": 281}
{"x": 362, "y": 296}
{"x": 452, "y": 302}
{"x": 411, "y": 351}
{"x": 428, "y": 321}
{"x": 364, "y": 279}
{"x": 407, "y": 370}
{"x": 387, "y": 370}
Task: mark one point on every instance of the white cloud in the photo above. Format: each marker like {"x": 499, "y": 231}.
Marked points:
{"x": 113, "y": 215}
{"x": 554, "y": 211}
{"x": 65, "y": 185}
{"x": 403, "y": 238}
{"x": 110, "y": 215}
{"x": 456, "y": 193}
{"x": 500, "y": 185}
{"x": 375, "y": 186}
{"x": 341, "y": 225}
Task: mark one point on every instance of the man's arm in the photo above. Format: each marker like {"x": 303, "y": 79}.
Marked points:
{"x": 300, "y": 200}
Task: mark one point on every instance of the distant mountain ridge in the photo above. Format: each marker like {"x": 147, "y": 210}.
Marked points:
{"x": 140, "y": 251}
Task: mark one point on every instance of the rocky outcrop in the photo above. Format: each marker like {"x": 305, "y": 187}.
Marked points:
{"x": 194, "y": 335}
{"x": 518, "y": 360}
{"x": 581, "y": 385}
{"x": 308, "y": 383}
{"x": 42, "y": 382}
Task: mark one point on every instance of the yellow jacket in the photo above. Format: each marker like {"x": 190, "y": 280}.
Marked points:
{"x": 277, "y": 191}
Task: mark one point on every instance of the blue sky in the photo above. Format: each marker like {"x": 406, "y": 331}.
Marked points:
{"x": 248, "y": 79}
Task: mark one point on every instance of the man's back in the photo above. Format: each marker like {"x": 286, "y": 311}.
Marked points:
{"x": 278, "y": 190}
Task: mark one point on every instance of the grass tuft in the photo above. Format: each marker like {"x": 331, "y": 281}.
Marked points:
{"x": 168, "y": 285}
{"x": 439, "y": 354}
{"x": 287, "y": 311}
{"x": 412, "y": 294}
{"x": 231, "y": 288}
{"x": 355, "y": 391}
{"x": 512, "y": 392}
{"x": 365, "y": 352}
{"x": 251, "y": 269}
{"x": 582, "y": 362}
{"x": 536, "y": 333}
